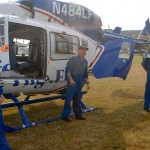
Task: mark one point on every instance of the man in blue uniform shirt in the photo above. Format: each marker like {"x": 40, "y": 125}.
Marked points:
{"x": 77, "y": 73}
{"x": 146, "y": 66}
{"x": 3, "y": 142}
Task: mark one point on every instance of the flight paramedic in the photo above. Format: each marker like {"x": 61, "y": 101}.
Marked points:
{"x": 146, "y": 66}
{"x": 77, "y": 76}
{"x": 3, "y": 141}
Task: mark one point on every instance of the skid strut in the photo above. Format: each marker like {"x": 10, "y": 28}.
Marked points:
{"x": 26, "y": 123}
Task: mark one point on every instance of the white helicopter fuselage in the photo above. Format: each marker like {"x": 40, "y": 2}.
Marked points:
{"x": 49, "y": 46}
{"x": 13, "y": 8}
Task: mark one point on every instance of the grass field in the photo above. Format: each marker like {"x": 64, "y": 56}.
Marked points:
{"x": 119, "y": 123}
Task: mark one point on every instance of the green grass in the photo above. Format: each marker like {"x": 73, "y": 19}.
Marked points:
{"x": 137, "y": 59}
{"x": 119, "y": 123}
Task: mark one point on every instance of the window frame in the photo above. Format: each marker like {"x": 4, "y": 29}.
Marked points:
{"x": 63, "y": 53}
{"x": 123, "y": 46}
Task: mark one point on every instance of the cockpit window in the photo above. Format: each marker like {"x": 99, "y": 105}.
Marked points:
{"x": 21, "y": 46}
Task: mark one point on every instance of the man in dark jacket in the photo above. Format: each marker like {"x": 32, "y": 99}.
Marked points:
{"x": 146, "y": 66}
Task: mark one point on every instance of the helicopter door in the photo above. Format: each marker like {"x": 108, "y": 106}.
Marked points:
{"x": 116, "y": 59}
{"x": 63, "y": 47}
{"x": 4, "y": 47}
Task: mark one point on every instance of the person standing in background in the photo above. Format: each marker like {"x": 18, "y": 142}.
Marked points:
{"x": 146, "y": 66}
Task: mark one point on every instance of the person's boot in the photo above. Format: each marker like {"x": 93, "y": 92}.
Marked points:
{"x": 146, "y": 109}
{"x": 66, "y": 119}
{"x": 80, "y": 118}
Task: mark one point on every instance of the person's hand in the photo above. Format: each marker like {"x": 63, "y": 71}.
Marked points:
{"x": 72, "y": 83}
{"x": 1, "y": 98}
{"x": 88, "y": 86}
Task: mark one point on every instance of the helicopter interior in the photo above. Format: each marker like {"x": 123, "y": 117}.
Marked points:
{"x": 27, "y": 52}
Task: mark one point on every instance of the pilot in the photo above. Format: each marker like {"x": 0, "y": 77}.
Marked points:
{"x": 77, "y": 73}
{"x": 3, "y": 142}
{"x": 146, "y": 66}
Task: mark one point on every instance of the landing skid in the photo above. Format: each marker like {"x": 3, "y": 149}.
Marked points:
{"x": 26, "y": 123}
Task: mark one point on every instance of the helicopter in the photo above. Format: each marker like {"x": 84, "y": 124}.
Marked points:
{"x": 33, "y": 58}
{"x": 36, "y": 41}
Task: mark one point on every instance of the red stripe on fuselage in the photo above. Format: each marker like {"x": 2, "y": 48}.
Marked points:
{"x": 46, "y": 14}
{"x": 28, "y": 9}
{"x": 143, "y": 36}
{"x": 96, "y": 57}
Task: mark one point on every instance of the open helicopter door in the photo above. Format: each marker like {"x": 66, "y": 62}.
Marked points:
{"x": 4, "y": 46}
{"x": 116, "y": 59}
